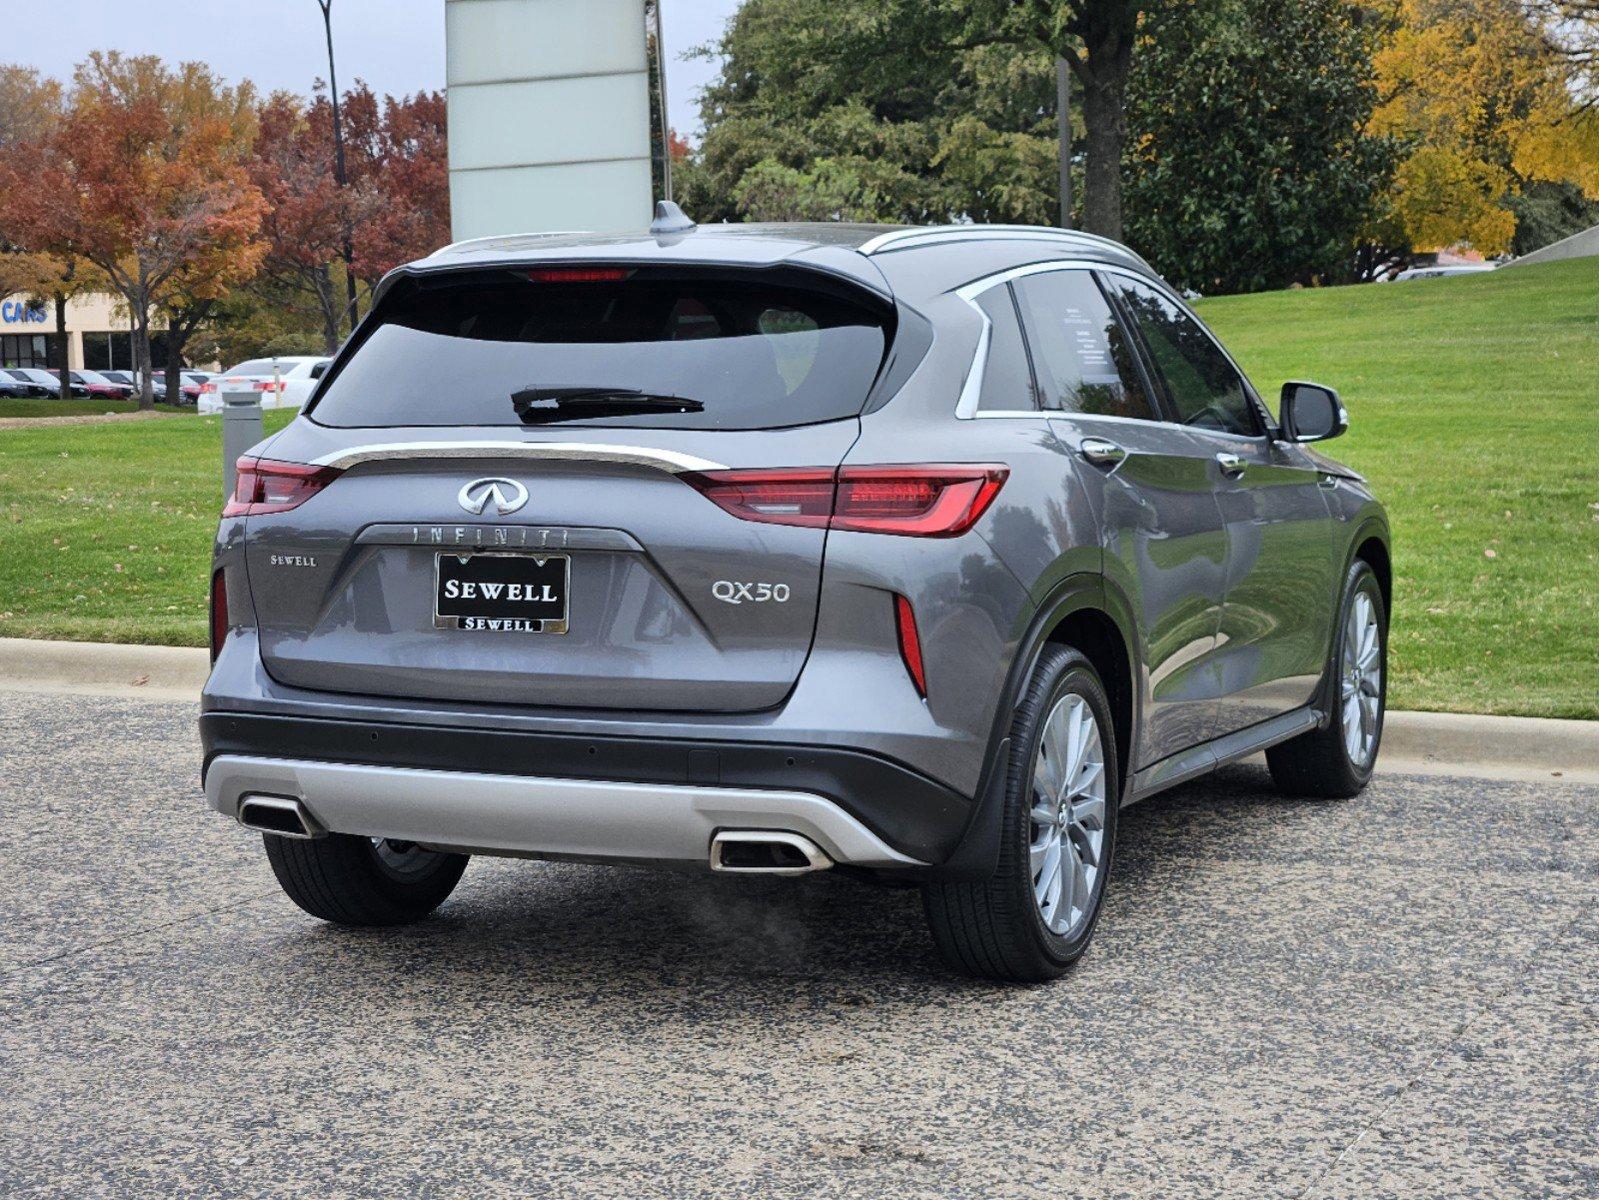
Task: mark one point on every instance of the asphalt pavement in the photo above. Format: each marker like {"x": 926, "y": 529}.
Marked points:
{"x": 1396, "y": 996}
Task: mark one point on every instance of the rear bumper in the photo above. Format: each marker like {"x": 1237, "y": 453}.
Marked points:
{"x": 523, "y": 814}
{"x": 520, "y": 792}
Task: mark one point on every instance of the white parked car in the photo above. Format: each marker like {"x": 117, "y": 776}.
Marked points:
{"x": 1438, "y": 272}
{"x": 285, "y": 382}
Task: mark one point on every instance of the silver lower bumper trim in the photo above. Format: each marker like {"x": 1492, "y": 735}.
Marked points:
{"x": 516, "y": 814}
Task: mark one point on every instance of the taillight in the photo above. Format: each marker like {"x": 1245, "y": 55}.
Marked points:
{"x": 273, "y": 487}
{"x": 910, "y": 643}
{"x": 786, "y": 497}
{"x": 268, "y": 385}
{"x": 938, "y": 500}
{"x": 219, "y": 613}
{"x": 208, "y": 387}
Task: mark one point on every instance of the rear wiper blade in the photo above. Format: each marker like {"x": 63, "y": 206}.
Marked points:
{"x": 537, "y": 404}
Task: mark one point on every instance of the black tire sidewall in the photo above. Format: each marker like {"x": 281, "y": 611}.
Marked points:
{"x": 1060, "y": 671}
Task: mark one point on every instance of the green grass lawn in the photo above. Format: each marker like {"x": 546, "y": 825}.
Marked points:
{"x": 1474, "y": 409}
{"x": 106, "y": 530}
{"x": 14, "y": 406}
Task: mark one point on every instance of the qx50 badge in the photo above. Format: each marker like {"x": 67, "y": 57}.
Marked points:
{"x": 507, "y": 494}
{"x": 732, "y": 591}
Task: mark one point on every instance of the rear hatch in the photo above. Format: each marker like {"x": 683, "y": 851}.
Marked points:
{"x": 501, "y": 488}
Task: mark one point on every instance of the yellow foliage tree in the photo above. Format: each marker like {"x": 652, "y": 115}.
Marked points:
{"x": 1487, "y": 105}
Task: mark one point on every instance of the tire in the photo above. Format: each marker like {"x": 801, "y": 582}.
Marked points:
{"x": 1000, "y": 928}
{"x": 1320, "y": 763}
{"x": 355, "y": 881}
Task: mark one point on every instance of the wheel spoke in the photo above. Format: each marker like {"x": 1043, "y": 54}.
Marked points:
{"x": 1048, "y": 872}
{"x": 1047, "y": 779}
{"x": 1089, "y": 813}
{"x": 1038, "y": 853}
{"x": 1070, "y": 868}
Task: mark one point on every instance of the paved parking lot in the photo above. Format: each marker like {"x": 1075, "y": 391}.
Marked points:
{"x": 1396, "y": 996}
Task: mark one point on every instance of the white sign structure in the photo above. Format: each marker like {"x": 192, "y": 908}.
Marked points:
{"x": 549, "y": 116}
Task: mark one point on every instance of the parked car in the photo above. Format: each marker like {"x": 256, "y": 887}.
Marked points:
{"x": 127, "y": 379}
{"x": 283, "y": 382}
{"x": 915, "y": 552}
{"x": 15, "y": 389}
{"x": 193, "y": 381}
{"x": 48, "y": 382}
{"x": 1439, "y": 271}
{"x": 99, "y": 387}
{"x": 24, "y": 384}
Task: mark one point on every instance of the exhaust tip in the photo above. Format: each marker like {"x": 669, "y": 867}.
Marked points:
{"x": 281, "y": 815}
{"x": 766, "y": 852}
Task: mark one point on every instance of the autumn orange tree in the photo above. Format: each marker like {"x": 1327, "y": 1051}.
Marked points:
{"x": 31, "y": 107}
{"x": 397, "y": 150}
{"x": 1487, "y": 103}
{"x": 142, "y": 178}
{"x": 309, "y": 214}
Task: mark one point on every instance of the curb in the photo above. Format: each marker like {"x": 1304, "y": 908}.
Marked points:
{"x": 103, "y": 668}
{"x": 1420, "y": 743}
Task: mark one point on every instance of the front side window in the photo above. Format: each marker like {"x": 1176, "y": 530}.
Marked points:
{"x": 703, "y": 353}
{"x": 1084, "y": 361}
{"x": 1205, "y": 389}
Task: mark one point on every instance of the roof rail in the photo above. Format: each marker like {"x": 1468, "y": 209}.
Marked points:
{"x": 903, "y": 239}
{"x": 500, "y": 237}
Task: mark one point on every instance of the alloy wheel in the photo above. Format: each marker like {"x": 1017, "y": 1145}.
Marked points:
{"x": 1067, "y": 848}
{"x": 1361, "y": 680}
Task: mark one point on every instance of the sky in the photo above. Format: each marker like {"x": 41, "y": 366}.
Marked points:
{"x": 395, "y": 45}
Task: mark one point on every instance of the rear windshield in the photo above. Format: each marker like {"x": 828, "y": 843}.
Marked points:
{"x": 259, "y": 366}
{"x": 740, "y": 354}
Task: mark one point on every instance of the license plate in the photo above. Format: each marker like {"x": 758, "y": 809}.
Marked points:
{"x": 503, "y": 593}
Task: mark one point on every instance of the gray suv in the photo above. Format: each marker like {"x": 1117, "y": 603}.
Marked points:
{"x": 911, "y": 552}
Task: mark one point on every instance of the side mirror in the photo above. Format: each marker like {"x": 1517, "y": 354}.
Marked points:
{"x": 1311, "y": 413}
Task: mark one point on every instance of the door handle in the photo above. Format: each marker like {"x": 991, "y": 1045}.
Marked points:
{"x": 1100, "y": 452}
{"x": 1230, "y": 464}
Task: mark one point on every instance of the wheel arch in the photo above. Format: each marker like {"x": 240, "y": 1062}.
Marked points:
{"x": 1090, "y": 614}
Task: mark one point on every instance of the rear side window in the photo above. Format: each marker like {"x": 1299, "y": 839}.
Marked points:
{"x": 1007, "y": 375}
{"x": 739, "y": 354}
{"x": 1081, "y": 353}
{"x": 1205, "y": 389}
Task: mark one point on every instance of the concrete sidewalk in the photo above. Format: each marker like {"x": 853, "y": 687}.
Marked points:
{"x": 1414, "y": 743}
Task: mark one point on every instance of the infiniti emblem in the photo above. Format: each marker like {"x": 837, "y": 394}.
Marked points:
{"x": 507, "y": 494}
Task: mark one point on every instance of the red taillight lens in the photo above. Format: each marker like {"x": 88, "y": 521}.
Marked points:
{"x": 926, "y": 501}
{"x": 910, "y": 643}
{"x": 942, "y": 500}
{"x": 208, "y": 387}
{"x": 579, "y": 274}
{"x": 788, "y": 497}
{"x": 219, "y": 613}
{"x": 268, "y": 385}
{"x": 274, "y": 487}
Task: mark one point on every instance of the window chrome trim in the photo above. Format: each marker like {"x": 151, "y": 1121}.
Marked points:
{"x": 672, "y": 461}
{"x": 971, "y": 390}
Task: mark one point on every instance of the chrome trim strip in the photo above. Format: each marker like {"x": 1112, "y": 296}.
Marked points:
{"x": 637, "y": 456}
{"x": 514, "y": 814}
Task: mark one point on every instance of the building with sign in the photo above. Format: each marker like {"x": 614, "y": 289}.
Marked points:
{"x": 549, "y": 111}
{"x": 98, "y": 335}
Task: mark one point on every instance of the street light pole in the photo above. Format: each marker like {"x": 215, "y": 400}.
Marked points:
{"x": 666, "y": 124}
{"x": 347, "y": 251}
{"x": 1063, "y": 116}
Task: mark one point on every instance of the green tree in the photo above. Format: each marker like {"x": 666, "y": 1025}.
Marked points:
{"x": 871, "y": 110}
{"x": 1248, "y": 167}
